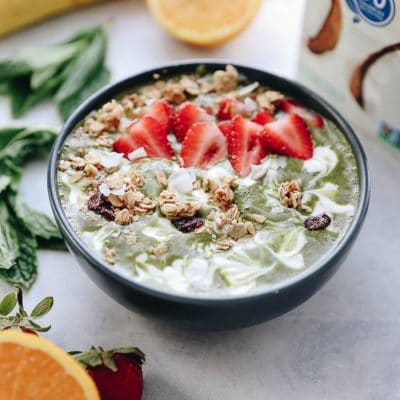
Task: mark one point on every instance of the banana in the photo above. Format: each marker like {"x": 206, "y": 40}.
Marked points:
{"x": 16, "y": 14}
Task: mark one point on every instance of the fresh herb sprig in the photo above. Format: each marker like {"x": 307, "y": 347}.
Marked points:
{"x": 67, "y": 72}
{"x": 22, "y": 229}
{"x": 22, "y": 320}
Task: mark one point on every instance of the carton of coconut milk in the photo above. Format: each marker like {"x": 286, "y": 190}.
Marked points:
{"x": 350, "y": 55}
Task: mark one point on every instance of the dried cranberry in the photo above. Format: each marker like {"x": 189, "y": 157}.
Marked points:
{"x": 107, "y": 213}
{"x": 187, "y": 224}
{"x": 99, "y": 204}
{"x": 96, "y": 201}
{"x": 317, "y": 222}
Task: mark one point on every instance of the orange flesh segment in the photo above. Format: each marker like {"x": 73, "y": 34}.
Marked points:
{"x": 28, "y": 373}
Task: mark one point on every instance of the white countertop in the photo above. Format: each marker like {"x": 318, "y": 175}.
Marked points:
{"x": 341, "y": 344}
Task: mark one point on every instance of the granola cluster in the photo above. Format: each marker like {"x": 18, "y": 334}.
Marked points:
{"x": 226, "y": 222}
{"x": 290, "y": 195}
{"x": 173, "y": 208}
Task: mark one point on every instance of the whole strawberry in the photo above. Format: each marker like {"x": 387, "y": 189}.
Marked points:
{"x": 117, "y": 373}
{"x": 22, "y": 320}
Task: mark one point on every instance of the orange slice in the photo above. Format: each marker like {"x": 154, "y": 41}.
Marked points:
{"x": 33, "y": 368}
{"x": 204, "y": 22}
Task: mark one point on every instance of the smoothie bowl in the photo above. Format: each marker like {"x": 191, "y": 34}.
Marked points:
{"x": 208, "y": 194}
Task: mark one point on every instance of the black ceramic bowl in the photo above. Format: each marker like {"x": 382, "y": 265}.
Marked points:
{"x": 211, "y": 312}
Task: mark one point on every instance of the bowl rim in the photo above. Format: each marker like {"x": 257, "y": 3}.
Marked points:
{"x": 318, "y": 267}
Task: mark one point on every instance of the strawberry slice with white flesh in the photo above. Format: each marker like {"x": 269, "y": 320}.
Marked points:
{"x": 229, "y": 107}
{"x": 262, "y": 117}
{"x": 245, "y": 145}
{"x": 124, "y": 144}
{"x": 186, "y": 115}
{"x": 225, "y": 127}
{"x": 163, "y": 113}
{"x": 203, "y": 146}
{"x": 289, "y": 136}
{"x": 293, "y": 107}
{"x": 148, "y": 133}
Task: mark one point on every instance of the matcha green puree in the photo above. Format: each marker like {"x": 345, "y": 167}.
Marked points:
{"x": 151, "y": 250}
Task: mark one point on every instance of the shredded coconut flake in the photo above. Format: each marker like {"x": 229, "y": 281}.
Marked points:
{"x": 244, "y": 91}
{"x": 104, "y": 189}
{"x": 180, "y": 181}
{"x": 107, "y": 159}
{"x": 136, "y": 154}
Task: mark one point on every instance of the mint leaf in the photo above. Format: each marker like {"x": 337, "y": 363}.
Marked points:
{"x": 84, "y": 66}
{"x": 60, "y": 70}
{"x": 4, "y": 88}
{"x": 6, "y": 134}
{"x": 28, "y": 143}
{"x": 12, "y": 68}
{"x": 24, "y": 271}
{"x": 28, "y": 60}
{"x": 40, "y": 76}
{"x": 5, "y": 180}
{"x": 38, "y": 223}
{"x": 9, "y": 248}
{"x": 100, "y": 78}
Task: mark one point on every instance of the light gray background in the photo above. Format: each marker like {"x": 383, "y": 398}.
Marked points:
{"x": 342, "y": 344}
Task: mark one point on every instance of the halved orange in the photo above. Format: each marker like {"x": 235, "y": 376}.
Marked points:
{"x": 204, "y": 22}
{"x": 32, "y": 368}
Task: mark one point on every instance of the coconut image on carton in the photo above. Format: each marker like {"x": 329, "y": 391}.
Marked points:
{"x": 351, "y": 56}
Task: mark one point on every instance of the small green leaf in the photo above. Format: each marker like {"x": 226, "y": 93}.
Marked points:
{"x": 24, "y": 271}
{"x": 28, "y": 60}
{"x": 12, "y": 68}
{"x": 91, "y": 358}
{"x": 37, "y": 222}
{"x": 9, "y": 249}
{"x": 5, "y": 180}
{"x": 43, "y": 307}
{"x": 40, "y": 76}
{"x": 27, "y": 143}
{"x": 7, "y": 134}
{"x": 81, "y": 70}
{"x": 23, "y": 98}
{"x": 8, "y": 303}
{"x": 100, "y": 78}
{"x": 4, "y": 88}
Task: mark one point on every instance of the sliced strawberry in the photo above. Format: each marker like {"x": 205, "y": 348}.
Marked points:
{"x": 186, "y": 115}
{"x": 289, "y": 136}
{"x": 262, "y": 117}
{"x": 163, "y": 113}
{"x": 225, "y": 127}
{"x": 149, "y": 134}
{"x": 124, "y": 144}
{"x": 229, "y": 107}
{"x": 245, "y": 145}
{"x": 204, "y": 145}
{"x": 293, "y": 107}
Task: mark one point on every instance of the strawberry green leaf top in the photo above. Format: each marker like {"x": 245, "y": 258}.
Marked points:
{"x": 117, "y": 373}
